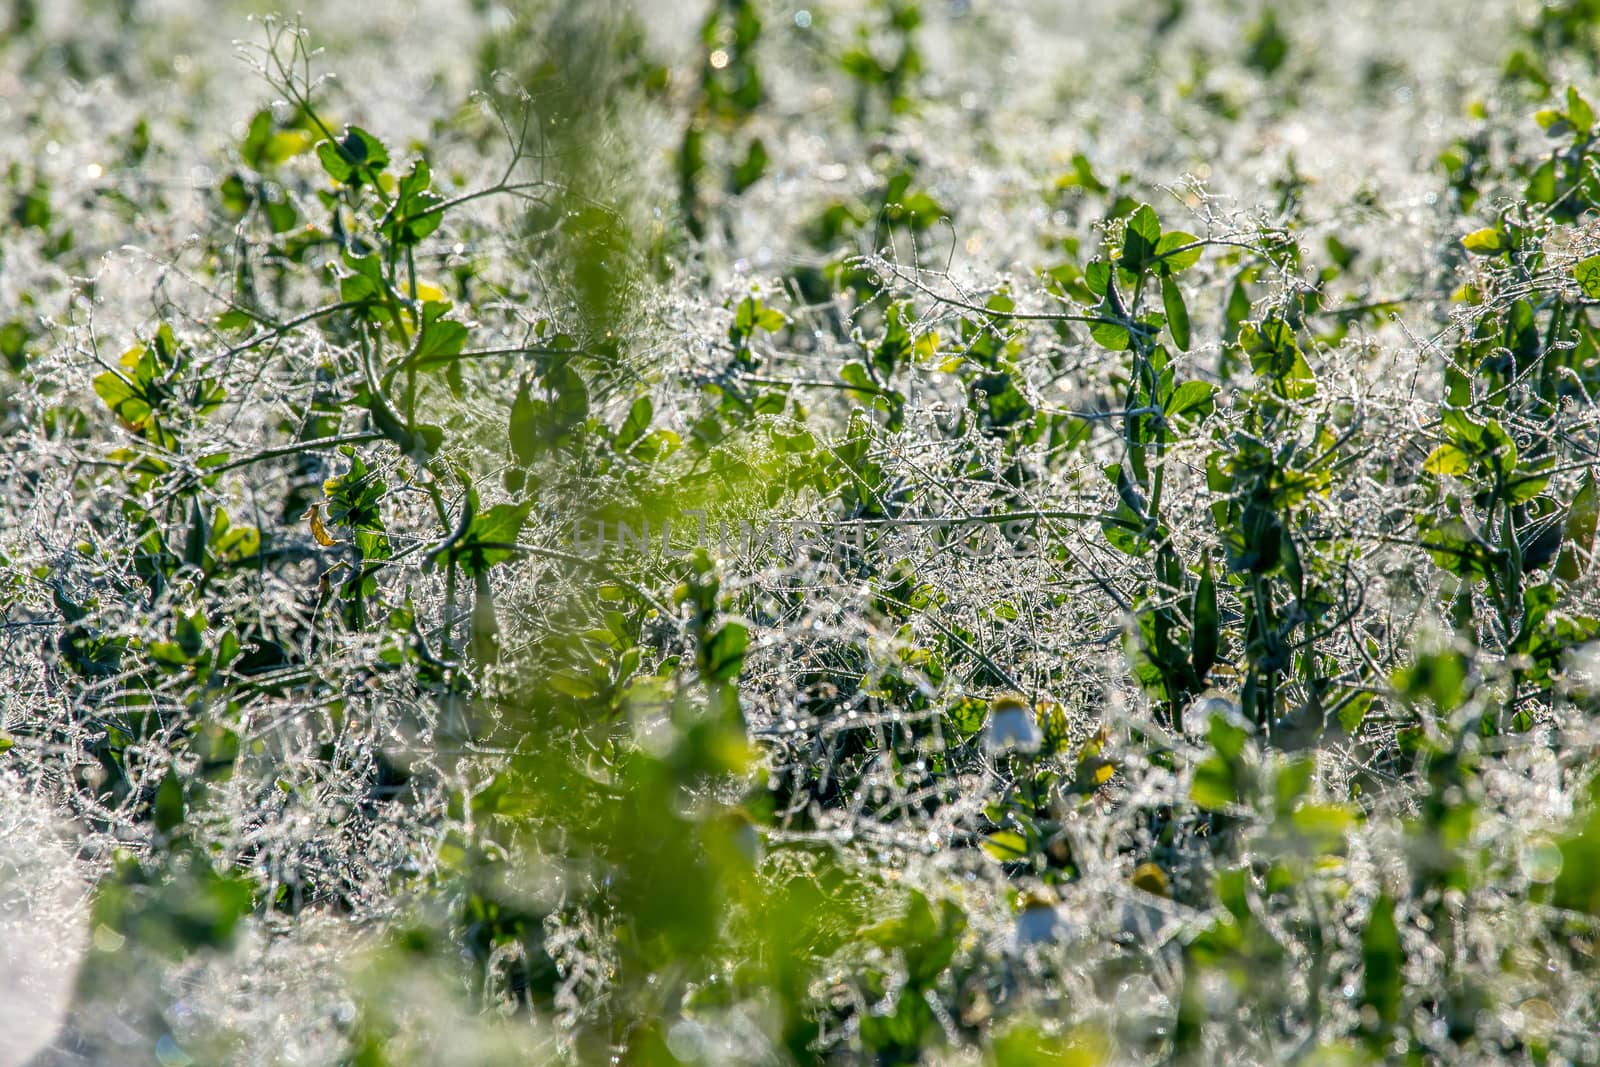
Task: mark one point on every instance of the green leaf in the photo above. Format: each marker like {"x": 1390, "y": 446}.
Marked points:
{"x": 1189, "y": 401}
{"x": 1541, "y": 188}
{"x": 1111, "y": 336}
{"x": 526, "y": 430}
{"x": 1488, "y": 241}
{"x": 167, "y": 809}
{"x": 1579, "y": 113}
{"x": 1587, "y": 271}
{"x": 1467, "y": 431}
{"x": 356, "y": 157}
{"x": 1213, "y": 787}
{"x": 1274, "y": 354}
{"x": 1097, "y": 276}
{"x": 1203, "y": 613}
{"x": 1581, "y": 518}
{"x": 364, "y": 283}
{"x": 1382, "y": 957}
{"x": 1525, "y": 485}
{"x": 1293, "y": 782}
{"x": 1552, "y": 121}
{"x": 121, "y": 398}
{"x": 189, "y": 631}
{"x": 572, "y": 683}
{"x": 1322, "y": 828}
{"x": 751, "y": 169}
{"x": 569, "y": 408}
{"x": 1440, "y": 677}
{"x": 490, "y": 537}
{"x": 1140, "y": 238}
{"x": 635, "y": 425}
{"x": 1170, "y": 259}
{"x": 415, "y": 212}
{"x": 1447, "y": 459}
{"x": 1006, "y": 846}
{"x": 656, "y": 445}
{"x": 439, "y": 340}
{"x": 1177, "y": 312}
{"x": 722, "y": 657}
{"x": 854, "y": 373}
{"x": 1145, "y": 223}
{"x": 353, "y": 499}
{"x": 1577, "y": 885}
{"x": 1353, "y": 712}
{"x": 1236, "y": 311}
{"x": 1453, "y": 546}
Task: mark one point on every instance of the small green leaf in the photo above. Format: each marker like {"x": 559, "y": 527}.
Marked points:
{"x": 1577, "y": 884}
{"x": 1145, "y": 223}
{"x": 573, "y": 684}
{"x": 1236, "y": 311}
{"x": 1587, "y": 271}
{"x": 1170, "y": 259}
{"x": 1006, "y": 846}
{"x": 167, "y": 810}
{"x": 751, "y": 169}
{"x": 356, "y": 157}
{"x": 635, "y": 425}
{"x": 723, "y": 656}
{"x": 1274, "y": 354}
{"x": 1582, "y": 516}
{"x": 1552, "y": 121}
{"x": 1354, "y": 711}
{"x": 1488, "y": 241}
{"x": 416, "y": 211}
{"x": 1177, "y": 312}
{"x": 1579, "y": 113}
{"x": 1447, "y": 459}
{"x": 1382, "y": 981}
{"x": 439, "y": 340}
{"x": 1097, "y": 276}
{"x": 1323, "y": 825}
{"x": 525, "y": 430}
{"x": 1203, "y": 612}
{"x": 120, "y": 397}
{"x": 1111, "y": 336}
{"x": 1190, "y": 401}
{"x": 189, "y": 631}
{"x": 490, "y": 538}
{"x": 1213, "y": 787}
{"x": 1140, "y": 239}
{"x": 854, "y": 373}
{"x": 569, "y": 408}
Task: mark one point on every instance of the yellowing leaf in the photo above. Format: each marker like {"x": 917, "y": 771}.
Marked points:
{"x": 1447, "y": 459}
{"x": 1006, "y": 845}
{"x": 313, "y": 516}
{"x": 1152, "y": 879}
{"x": 286, "y": 144}
{"x": 1488, "y": 241}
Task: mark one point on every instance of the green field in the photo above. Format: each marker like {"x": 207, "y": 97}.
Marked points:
{"x": 952, "y": 532}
